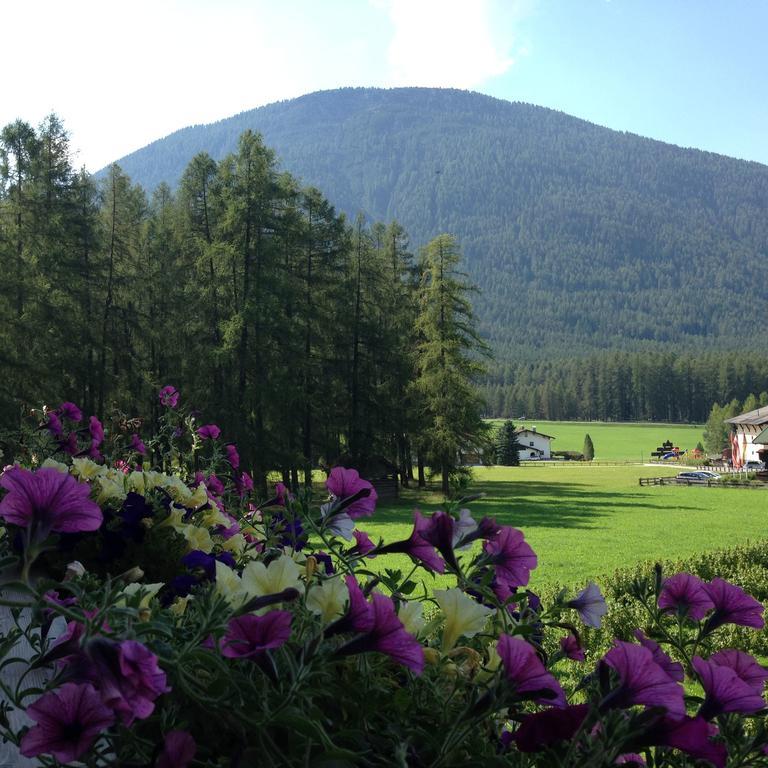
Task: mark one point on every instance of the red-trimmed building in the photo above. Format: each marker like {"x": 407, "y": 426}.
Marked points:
{"x": 749, "y": 437}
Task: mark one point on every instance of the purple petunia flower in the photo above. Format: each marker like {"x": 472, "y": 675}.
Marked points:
{"x": 248, "y": 637}
{"x": 94, "y": 453}
{"x": 209, "y": 432}
{"x": 178, "y": 750}
{"x": 590, "y": 605}
{"x": 463, "y": 530}
{"x": 233, "y": 457}
{"x": 326, "y": 560}
{"x": 48, "y": 499}
{"x": 440, "y": 534}
{"x": 359, "y": 615}
{"x": 725, "y": 690}
{"x": 684, "y": 593}
{"x": 571, "y": 647}
{"x": 688, "y": 734}
{"x": 54, "y": 424}
{"x": 281, "y": 497}
{"x": 70, "y": 444}
{"x": 631, "y": 759}
{"x": 641, "y": 680}
{"x": 341, "y": 524}
{"x": 137, "y": 445}
{"x": 744, "y": 665}
{"x": 543, "y": 729}
{"x": 68, "y": 721}
{"x": 169, "y": 396}
{"x": 347, "y": 486}
{"x": 511, "y": 556}
{"x": 673, "y": 668}
{"x": 212, "y": 483}
{"x": 527, "y": 674}
{"x": 363, "y": 545}
{"x": 70, "y": 411}
{"x": 127, "y": 676}
{"x": 388, "y": 636}
{"x": 416, "y": 546}
{"x": 207, "y": 562}
{"x": 733, "y": 606}
{"x": 97, "y": 431}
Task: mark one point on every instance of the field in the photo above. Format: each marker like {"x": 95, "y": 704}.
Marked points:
{"x": 617, "y": 441}
{"x": 585, "y": 521}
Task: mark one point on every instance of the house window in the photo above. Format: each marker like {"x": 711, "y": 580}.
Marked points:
{"x": 531, "y": 443}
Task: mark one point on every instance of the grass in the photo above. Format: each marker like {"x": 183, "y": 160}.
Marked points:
{"x": 585, "y": 521}
{"x": 616, "y": 441}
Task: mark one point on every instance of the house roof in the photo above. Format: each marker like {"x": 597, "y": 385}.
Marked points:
{"x": 521, "y": 430}
{"x": 762, "y": 438}
{"x": 751, "y": 418}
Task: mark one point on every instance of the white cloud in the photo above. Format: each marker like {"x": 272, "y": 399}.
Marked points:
{"x": 444, "y": 43}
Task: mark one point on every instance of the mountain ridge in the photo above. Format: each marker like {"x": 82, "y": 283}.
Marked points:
{"x": 248, "y": 112}
{"x": 579, "y": 237}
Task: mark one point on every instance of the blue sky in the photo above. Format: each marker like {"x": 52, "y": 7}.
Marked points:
{"x": 120, "y": 74}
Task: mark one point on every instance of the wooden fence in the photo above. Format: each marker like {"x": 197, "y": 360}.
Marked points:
{"x": 672, "y": 480}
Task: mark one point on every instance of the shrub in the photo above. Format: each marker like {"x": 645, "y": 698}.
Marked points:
{"x": 270, "y": 637}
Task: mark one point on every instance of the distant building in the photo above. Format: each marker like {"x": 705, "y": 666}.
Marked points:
{"x": 749, "y": 437}
{"x": 535, "y": 445}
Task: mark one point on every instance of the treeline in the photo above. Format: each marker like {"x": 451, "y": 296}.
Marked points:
{"x": 623, "y": 386}
{"x": 248, "y": 292}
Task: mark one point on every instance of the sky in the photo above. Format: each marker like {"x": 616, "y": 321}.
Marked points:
{"x": 122, "y": 74}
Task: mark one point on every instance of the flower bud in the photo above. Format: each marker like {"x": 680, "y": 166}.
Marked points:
{"x": 75, "y": 570}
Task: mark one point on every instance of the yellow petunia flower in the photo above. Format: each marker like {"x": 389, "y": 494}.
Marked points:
{"x": 463, "y": 615}
{"x": 53, "y": 464}
{"x": 282, "y": 573}
{"x": 85, "y": 469}
{"x": 229, "y": 585}
{"x": 412, "y": 616}
{"x": 197, "y": 538}
{"x": 328, "y": 599}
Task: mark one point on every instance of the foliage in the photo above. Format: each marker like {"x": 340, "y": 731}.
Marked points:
{"x": 745, "y": 565}
{"x": 560, "y": 221}
{"x": 237, "y": 284}
{"x": 589, "y": 448}
{"x": 265, "y": 648}
{"x": 716, "y": 430}
{"x": 446, "y": 360}
{"x": 584, "y": 519}
{"x": 661, "y": 386}
{"x": 507, "y": 446}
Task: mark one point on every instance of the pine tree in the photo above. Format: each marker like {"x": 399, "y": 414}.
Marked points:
{"x": 447, "y": 359}
{"x": 589, "y": 449}
{"x": 507, "y": 446}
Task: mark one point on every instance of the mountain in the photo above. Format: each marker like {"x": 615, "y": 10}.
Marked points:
{"x": 579, "y": 237}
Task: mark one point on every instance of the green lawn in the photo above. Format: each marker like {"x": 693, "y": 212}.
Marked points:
{"x": 584, "y": 521}
{"x": 616, "y": 441}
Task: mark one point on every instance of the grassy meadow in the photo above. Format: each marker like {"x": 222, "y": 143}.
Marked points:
{"x": 586, "y": 520}
{"x": 615, "y": 441}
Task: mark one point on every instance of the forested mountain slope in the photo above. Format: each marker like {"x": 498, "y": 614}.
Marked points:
{"x": 580, "y": 238}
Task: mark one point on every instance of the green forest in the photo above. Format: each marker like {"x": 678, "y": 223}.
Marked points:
{"x": 662, "y": 386}
{"x": 310, "y": 339}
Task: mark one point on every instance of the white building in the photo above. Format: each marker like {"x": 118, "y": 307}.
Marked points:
{"x": 749, "y": 437}
{"x": 536, "y": 445}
